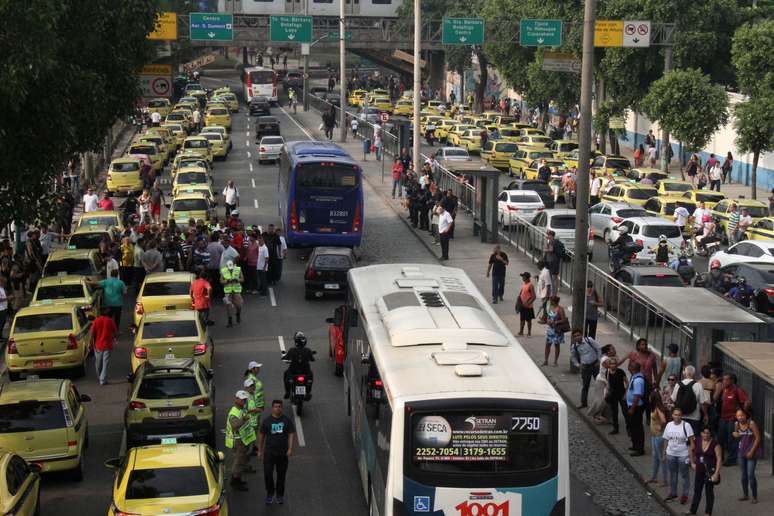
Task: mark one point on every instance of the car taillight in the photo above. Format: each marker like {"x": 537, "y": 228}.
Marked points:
{"x": 263, "y": 149}
{"x": 137, "y": 405}
{"x": 311, "y": 273}
{"x": 512, "y": 208}
{"x": 768, "y": 291}
{"x": 378, "y": 384}
{"x": 541, "y": 208}
{"x": 201, "y": 402}
{"x": 138, "y": 309}
{"x": 72, "y": 443}
{"x": 640, "y": 242}
{"x": 300, "y": 379}
{"x": 122, "y": 513}
{"x": 72, "y": 343}
{"x": 356, "y": 222}
{"x": 617, "y": 220}
{"x": 293, "y": 217}
{"x": 200, "y": 349}
{"x": 209, "y": 511}
{"x": 140, "y": 352}
{"x": 591, "y": 234}
{"x": 12, "y": 347}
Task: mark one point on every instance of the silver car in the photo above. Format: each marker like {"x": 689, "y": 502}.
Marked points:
{"x": 562, "y": 223}
{"x": 269, "y": 148}
{"x": 453, "y": 154}
{"x": 605, "y": 216}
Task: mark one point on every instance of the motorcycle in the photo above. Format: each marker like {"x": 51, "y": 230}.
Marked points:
{"x": 708, "y": 246}
{"x": 622, "y": 255}
{"x": 300, "y": 387}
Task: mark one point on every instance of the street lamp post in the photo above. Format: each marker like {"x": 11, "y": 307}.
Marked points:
{"x": 342, "y": 75}
{"x": 417, "y": 82}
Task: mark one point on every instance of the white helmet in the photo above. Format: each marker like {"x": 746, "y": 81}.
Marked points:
{"x": 662, "y": 238}
{"x": 623, "y": 230}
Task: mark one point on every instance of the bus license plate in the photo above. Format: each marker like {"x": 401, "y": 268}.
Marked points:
{"x": 325, "y": 230}
{"x": 301, "y": 390}
{"x": 169, "y": 413}
{"x": 332, "y": 286}
{"x": 42, "y": 364}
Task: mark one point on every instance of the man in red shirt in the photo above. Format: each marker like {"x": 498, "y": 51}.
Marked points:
{"x": 104, "y": 332}
{"x": 647, "y": 360}
{"x": 201, "y": 293}
{"x": 106, "y": 203}
{"x": 732, "y": 398}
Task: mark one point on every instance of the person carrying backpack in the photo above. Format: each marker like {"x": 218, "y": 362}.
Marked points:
{"x": 691, "y": 399}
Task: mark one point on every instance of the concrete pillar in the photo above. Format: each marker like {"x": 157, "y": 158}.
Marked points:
{"x": 436, "y": 70}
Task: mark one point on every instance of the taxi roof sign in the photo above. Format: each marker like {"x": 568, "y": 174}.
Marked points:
{"x": 168, "y": 441}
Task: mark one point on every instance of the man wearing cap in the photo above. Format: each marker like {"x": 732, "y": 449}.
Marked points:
{"x": 253, "y": 368}
{"x": 231, "y": 279}
{"x": 240, "y": 434}
{"x": 254, "y": 408}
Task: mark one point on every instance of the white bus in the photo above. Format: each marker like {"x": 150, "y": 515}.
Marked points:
{"x": 259, "y": 82}
{"x": 449, "y": 414}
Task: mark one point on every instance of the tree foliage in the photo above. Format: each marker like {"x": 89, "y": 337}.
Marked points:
{"x": 753, "y": 57}
{"x": 69, "y": 71}
{"x": 688, "y": 105}
{"x": 754, "y": 123}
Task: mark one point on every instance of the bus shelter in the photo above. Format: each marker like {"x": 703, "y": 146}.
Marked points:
{"x": 753, "y": 364}
{"x": 485, "y": 181}
{"x": 709, "y": 317}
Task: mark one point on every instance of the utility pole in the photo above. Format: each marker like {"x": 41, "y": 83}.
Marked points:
{"x": 416, "y": 153}
{"x": 306, "y": 48}
{"x": 342, "y": 76}
{"x": 665, "y": 145}
{"x": 580, "y": 263}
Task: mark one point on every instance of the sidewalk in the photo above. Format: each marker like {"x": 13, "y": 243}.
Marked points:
{"x": 468, "y": 253}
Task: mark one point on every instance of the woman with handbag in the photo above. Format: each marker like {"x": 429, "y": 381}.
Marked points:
{"x": 705, "y": 461}
{"x": 558, "y": 325}
{"x": 525, "y": 304}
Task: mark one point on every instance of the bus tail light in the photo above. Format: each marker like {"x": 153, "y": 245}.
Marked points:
{"x": 72, "y": 342}
{"x": 200, "y": 349}
{"x": 356, "y": 220}
{"x": 140, "y": 352}
{"x": 293, "y": 216}
{"x": 12, "y": 347}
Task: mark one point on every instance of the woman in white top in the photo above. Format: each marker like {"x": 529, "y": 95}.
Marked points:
{"x": 680, "y": 441}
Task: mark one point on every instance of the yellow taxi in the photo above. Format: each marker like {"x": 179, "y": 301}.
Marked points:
{"x": 219, "y": 145}
{"x": 654, "y": 174}
{"x": 67, "y": 290}
{"x": 190, "y": 159}
{"x": 44, "y": 422}
{"x": 562, "y": 148}
{"x": 454, "y": 134}
{"x": 218, "y": 115}
{"x": 170, "y": 335}
{"x": 84, "y": 262}
{"x": 509, "y": 134}
{"x": 673, "y": 187}
{"x": 404, "y": 107}
{"x": 536, "y": 140}
{"x": 230, "y": 99}
{"x": 202, "y": 188}
{"x": 151, "y": 150}
{"x": 164, "y": 150}
{"x": 192, "y": 204}
{"x": 180, "y": 117}
{"x": 178, "y": 132}
{"x": 161, "y": 106}
{"x": 531, "y": 172}
{"x": 101, "y": 217}
{"x": 443, "y": 128}
{"x": 490, "y": 115}
{"x": 378, "y": 92}
{"x": 169, "y": 138}
{"x": 162, "y": 291}
{"x": 610, "y": 163}
{"x": 19, "y": 486}
{"x": 169, "y": 478}
{"x": 123, "y": 175}
{"x": 665, "y": 207}
{"x": 433, "y": 120}
{"x": 223, "y": 132}
{"x": 631, "y": 193}
{"x": 470, "y": 140}
{"x": 523, "y": 157}
{"x": 757, "y": 210}
{"x": 504, "y": 120}
{"x": 531, "y": 131}
{"x": 436, "y": 107}
{"x": 708, "y": 197}
{"x": 518, "y": 126}
{"x": 89, "y": 237}
{"x": 571, "y": 160}
{"x": 199, "y": 146}
{"x": 498, "y": 153}
{"x": 48, "y": 337}
{"x": 189, "y": 176}
{"x": 381, "y": 103}
{"x": 356, "y": 97}
{"x": 763, "y": 229}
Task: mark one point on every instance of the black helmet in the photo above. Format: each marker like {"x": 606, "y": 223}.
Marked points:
{"x": 300, "y": 339}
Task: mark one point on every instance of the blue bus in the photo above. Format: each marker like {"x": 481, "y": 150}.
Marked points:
{"x": 320, "y": 195}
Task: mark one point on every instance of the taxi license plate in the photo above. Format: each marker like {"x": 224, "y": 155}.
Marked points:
{"x": 169, "y": 413}
{"x": 377, "y": 394}
{"x": 332, "y": 286}
{"x": 42, "y": 364}
{"x": 301, "y": 390}
{"x": 170, "y": 307}
{"x": 169, "y": 356}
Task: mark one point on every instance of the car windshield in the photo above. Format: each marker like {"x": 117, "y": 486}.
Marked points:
{"x": 213, "y": 137}
{"x": 642, "y": 193}
{"x": 43, "y": 322}
{"x": 188, "y": 162}
{"x": 196, "y": 144}
{"x": 189, "y": 205}
{"x": 618, "y": 163}
{"x": 191, "y": 178}
{"x": 332, "y": 261}
{"x": 175, "y": 116}
{"x": 133, "y": 166}
{"x": 272, "y": 140}
{"x": 217, "y": 112}
{"x": 166, "y": 288}
{"x": 677, "y": 187}
{"x": 169, "y": 329}
{"x": 167, "y": 483}
{"x": 758, "y": 211}
{"x": 629, "y": 213}
{"x": 60, "y": 292}
{"x": 563, "y": 222}
{"x": 87, "y": 240}
{"x": 524, "y": 198}
{"x": 69, "y": 266}
{"x": 660, "y": 280}
{"x": 708, "y": 197}
{"x": 654, "y": 231}
{"x": 691, "y": 207}
{"x": 455, "y": 152}
{"x": 156, "y": 103}
{"x": 33, "y": 415}
{"x": 169, "y": 387}
{"x": 142, "y": 149}
{"x": 506, "y": 147}
{"x": 540, "y": 139}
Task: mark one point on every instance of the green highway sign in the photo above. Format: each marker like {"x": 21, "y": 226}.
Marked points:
{"x": 212, "y": 27}
{"x": 540, "y": 33}
{"x": 291, "y": 28}
{"x": 463, "y": 31}
{"x": 334, "y": 36}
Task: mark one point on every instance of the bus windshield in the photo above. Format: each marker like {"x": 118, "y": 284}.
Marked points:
{"x": 326, "y": 176}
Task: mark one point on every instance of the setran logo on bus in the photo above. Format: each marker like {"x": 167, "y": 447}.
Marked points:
{"x": 468, "y": 508}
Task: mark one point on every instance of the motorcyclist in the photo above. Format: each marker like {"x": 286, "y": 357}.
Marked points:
{"x": 298, "y": 359}
{"x": 616, "y": 247}
{"x": 129, "y": 208}
{"x": 683, "y": 266}
{"x": 742, "y": 293}
{"x": 716, "y": 280}
{"x": 662, "y": 250}
{"x": 707, "y": 230}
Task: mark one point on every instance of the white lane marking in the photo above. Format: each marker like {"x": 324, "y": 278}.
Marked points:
{"x": 299, "y": 428}
{"x": 252, "y": 180}
{"x": 271, "y": 297}
{"x": 248, "y": 132}
{"x": 297, "y": 124}
{"x": 251, "y": 165}
{"x": 281, "y": 340}
{"x": 248, "y": 155}
{"x": 247, "y": 143}
{"x": 255, "y": 202}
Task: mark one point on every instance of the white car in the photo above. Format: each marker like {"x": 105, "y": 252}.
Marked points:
{"x": 513, "y": 205}
{"x": 646, "y": 232}
{"x": 606, "y": 215}
{"x": 453, "y": 154}
{"x": 562, "y": 223}
{"x": 269, "y": 148}
{"x": 748, "y": 251}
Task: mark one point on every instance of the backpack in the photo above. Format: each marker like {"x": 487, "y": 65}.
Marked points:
{"x": 559, "y": 249}
{"x": 686, "y": 398}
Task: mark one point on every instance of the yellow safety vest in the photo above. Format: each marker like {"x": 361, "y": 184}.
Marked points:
{"x": 231, "y": 275}
{"x": 258, "y": 396}
{"x": 246, "y": 432}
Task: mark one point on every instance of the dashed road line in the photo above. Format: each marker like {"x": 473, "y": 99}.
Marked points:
{"x": 255, "y": 203}
{"x": 281, "y": 340}
{"x": 247, "y": 143}
{"x": 299, "y": 428}
{"x": 248, "y": 157}
{"x": 252, "y": 180}
{"x": 251, "y": 165}
{"x": 272, "y": 298}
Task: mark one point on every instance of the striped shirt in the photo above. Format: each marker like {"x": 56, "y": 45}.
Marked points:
{"x": 733, "y": 221}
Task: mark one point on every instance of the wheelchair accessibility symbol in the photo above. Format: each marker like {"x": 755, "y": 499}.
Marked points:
{"x": 421, "y": 504}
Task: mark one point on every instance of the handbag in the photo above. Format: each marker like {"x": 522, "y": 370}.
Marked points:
{"x": 519, "y": 304}
{"x": 564, "y": 325}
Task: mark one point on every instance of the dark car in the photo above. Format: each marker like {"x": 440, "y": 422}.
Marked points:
{"x": 333, "y": 98}
{"x": 266, "y": 126}
{"x": 759, "y": 277}
{"x": 619, "y": 299}
{"x": 542, "y": 189}
{"x": 648, "y": 276}
{"x": 318, "y": 91}
{"x": 260, "y": 106}
{"x": 326, "y": 271}
{"x": 293, "y": 79}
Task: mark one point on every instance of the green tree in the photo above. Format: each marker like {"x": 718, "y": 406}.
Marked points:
{"x": 688, "y": 105}
{"x": 754, "y": 124}
{"x": 69, "y": 72}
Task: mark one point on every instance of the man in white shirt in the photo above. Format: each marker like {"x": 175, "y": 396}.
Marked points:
{"x": 230, "y": 197}
{"x": 155, "y": 118}
{"x": 545, "y": 287}
{"x": 745, "y": 221}
{"x": 229, "y": 253}
{"x": 282, "y": 253}
{"x": 445, "y": 222}
{"x": 681, "y": 217}
{"x": 262, "y": 266}
{"x": 698, "y": 215}
{"x": 196, "y": 118}
{"x": 596, "y": 186}
{"x": 90, "y": 200}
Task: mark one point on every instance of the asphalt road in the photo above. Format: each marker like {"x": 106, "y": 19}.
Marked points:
{"x": 323, "y": 478}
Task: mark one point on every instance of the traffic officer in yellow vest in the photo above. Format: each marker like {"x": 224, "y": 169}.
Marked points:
{"x": 240, "y": 435}
{"x": 231, "y": 279}
{"x": 253, "y": 368}
{"x": 254, "y": 412}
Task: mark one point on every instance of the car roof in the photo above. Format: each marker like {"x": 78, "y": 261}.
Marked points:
{"x": 69, "y": 279}
{"x": 161, "y": 277}
{"x": 36, "y": 389}
{"x": 343, "y": 251}
{"x": 622, "y": 205}
{"x": 167, "y": 456}
{"x": 522, "y": 192}
{"x": 747, "y": 202}
{"x": 192, "y": 138}
{"x": 558, "y": 211}
{"x": 650, "y": 270}
{"x": 759, "y": 266}
{"x": 763, "y": 244}
{"x": 638, "y": 186}
{"x": 93, "y": 228}
{"x": 184, "y": 194}
{"x": 65, "y": 254}
{"x": 42, "y": 309}
{"x": 100, "y": 213}
{"x": 170, "y": 315}
{"x": 161, "y": 366}
{"x": 652, "y": 221}
{"x": 125, "y": 159}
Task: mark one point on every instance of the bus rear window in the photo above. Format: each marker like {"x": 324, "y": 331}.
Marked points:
{"x": 488, "y": 442}
{"x": 262, "y": 77}
{"x": 326, "y": 175}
